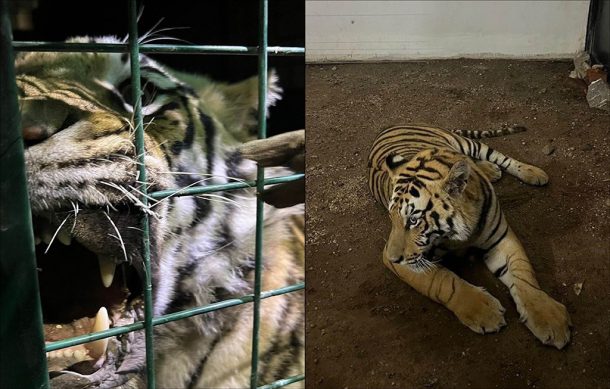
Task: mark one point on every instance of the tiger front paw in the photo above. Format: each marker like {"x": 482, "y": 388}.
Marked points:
{"x": 532, "y": 175}
{"x": 479, "y": 311}
{"x": 548, "y": 320}
{"x": 491, "y": 170}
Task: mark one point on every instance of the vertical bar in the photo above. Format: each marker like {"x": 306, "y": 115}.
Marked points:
{"x": 260, "y": 186}
{"x": 23, "y": 364}
{"x": 134, "y": 54}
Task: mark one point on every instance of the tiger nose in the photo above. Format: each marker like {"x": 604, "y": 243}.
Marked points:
{"x": 34, "y": 134}
{"x": 398, "y": 260}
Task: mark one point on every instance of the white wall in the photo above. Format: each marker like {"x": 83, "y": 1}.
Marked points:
{"x": 402, "y": 30}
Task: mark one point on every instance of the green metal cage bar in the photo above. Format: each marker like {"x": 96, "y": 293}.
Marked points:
{"x": 170, "y": 317}
{"x": 134, "y": 56}
{"x": 156, "y": 48}
{"x": 263, "y": 51}
{"x": 260, "y": 186}
{"x": 283, "y": 382}
{"x": 22, "y": 361}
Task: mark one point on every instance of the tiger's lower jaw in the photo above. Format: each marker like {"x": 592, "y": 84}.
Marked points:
{"x": 122, "y": 361}
{"x": 83, "y": 290}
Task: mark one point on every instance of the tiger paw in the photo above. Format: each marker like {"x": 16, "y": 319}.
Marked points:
{"x": 490, "y": 170}
{"x": 548, "y": 320}
{"x": 479, "y": 311}
{"x": 532, "y": 175}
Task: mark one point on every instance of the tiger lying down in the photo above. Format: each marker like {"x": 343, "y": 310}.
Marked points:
{"x": 81, "y": 166}
{"x": 437, "y": 187}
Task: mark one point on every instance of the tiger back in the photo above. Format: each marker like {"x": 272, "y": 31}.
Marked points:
{"x": 407, "y": 141}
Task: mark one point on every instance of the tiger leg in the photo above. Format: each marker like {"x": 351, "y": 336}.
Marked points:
{"x": 529, "y": 174}
{"x": 548, "y": 319}
{"x": 490, "y": 169}
{"x": 473, "y": 306}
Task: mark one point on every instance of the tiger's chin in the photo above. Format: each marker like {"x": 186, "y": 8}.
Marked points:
{"x": 89, "y": 284}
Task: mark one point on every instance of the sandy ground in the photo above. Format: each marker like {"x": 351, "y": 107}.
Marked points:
{"x": 366, "y": 328}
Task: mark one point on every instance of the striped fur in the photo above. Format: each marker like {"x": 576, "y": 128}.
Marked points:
{"x": 474, "y": 134}
{"x": 437, "y": 188}
{"x": 77, "y": 125}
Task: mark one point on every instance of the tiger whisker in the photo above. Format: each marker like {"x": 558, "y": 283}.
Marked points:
{"x": 428, "y": 265}
{"x": 219, "y": 199}
{"x": 205, "y": 175}
{"x": 171, "y": 29}
{"x": 130, "y": 196}
{"x": 118, "y": 235}
{"x": 219, "y": 248}
{"x": 76, "y": 210}
{"x": 208, "y": 175}
{"x": 179, "y": 191}
{"x": 150, "y": 30}
{"x": 154, "y": 34}
{"x": 55, "y": 234}
{"x": 106, "y": 201}
{"x": 142, "y": 194}
{"x": 166, "y": 38}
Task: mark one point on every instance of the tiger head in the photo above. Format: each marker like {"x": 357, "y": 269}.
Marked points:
{"x": 82, "y": 169}
{"x": 433, "y": 204}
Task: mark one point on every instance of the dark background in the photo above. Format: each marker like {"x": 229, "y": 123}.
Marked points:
{"x": 598, "y": 32}
{"x": 219, "y": 22}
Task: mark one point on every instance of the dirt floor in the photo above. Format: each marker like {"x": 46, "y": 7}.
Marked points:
{"x": 366, "y": 328}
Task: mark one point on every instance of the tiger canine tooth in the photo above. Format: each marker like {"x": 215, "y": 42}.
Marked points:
{"x": 64, "y": 237}
{"x": 107, "y": 266}
{"x": 102, "y": 322}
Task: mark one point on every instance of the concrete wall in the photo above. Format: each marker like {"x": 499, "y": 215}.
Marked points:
{"x": 403, "y": 30}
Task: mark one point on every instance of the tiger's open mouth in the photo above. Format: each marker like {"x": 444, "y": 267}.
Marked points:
{"x": 89, "y": 281}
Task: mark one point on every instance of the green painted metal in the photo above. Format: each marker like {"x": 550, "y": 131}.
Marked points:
{"x": 134, "y": 56}
{"x": 260, "y": 186}
{"x": 156, "y": 48}
{"x": 171, "y": 317}
{"x": 283, "y": 382}
{"x": 195, "y": 190}
{"x": 22, "y": 361}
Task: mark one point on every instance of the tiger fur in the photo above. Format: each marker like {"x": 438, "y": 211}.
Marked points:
{"x": 82, "y": 170}
{"x": 436, "y": 186}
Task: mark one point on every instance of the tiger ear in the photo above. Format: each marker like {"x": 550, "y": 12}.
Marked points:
{"x": 392, "y": 162}
{"x": 240, "y": 112}
{"x": 456, "y": 180}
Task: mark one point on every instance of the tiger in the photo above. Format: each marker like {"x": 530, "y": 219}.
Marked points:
{"x": 81, "y": 164}
{"x": 436, "y": 186}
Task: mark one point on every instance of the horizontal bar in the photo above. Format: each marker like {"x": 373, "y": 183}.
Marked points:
{"x": 170, "y": 317}
{"x": 154, "y": 48}
{"x": 283, "y": 382}
{"x": 200, "y": 189}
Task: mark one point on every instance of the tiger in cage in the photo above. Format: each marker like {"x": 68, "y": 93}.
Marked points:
{"x": 82, "y": 170}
